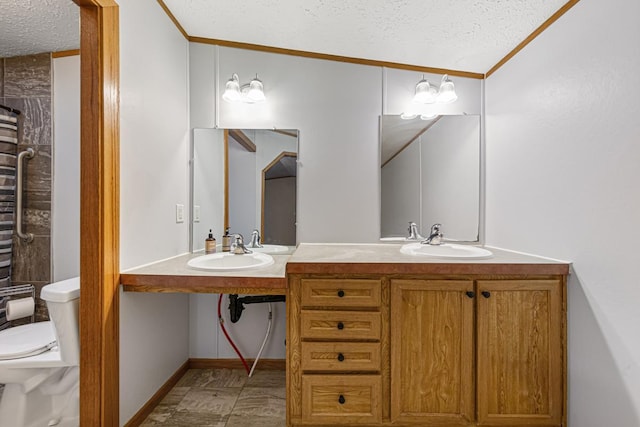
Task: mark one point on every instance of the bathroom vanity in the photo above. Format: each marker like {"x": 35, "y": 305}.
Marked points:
{"x": 376, "y": 337}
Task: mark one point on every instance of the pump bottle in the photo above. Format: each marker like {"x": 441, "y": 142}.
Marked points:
{"x": 210, "y": 244}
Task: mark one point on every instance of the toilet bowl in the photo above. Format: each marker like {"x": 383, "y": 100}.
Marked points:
{"x": 39, "y": 364}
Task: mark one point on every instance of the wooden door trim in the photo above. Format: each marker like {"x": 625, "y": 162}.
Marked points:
{"x": 99, "y": 212}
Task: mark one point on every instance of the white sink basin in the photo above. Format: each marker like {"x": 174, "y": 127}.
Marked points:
{"x": 447, "y": 250}
{"x": 225, "y": 261}
{"x": 271, "y": 249}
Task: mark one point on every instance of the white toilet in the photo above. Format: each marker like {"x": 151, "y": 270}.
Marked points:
{"x": 39, "y": 364}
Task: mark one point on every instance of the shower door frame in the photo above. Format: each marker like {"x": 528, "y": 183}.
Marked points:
{"x": 99, "y": 212}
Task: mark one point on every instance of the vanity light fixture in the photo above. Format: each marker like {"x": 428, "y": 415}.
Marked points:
{"x": 428, "y": 94}
{"x": 251, "y": 93}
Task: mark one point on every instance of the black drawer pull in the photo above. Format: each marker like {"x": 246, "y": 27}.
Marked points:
{"x": 471, "y": 294}
{"x": 340, "y": 325}
{"x": 340, "y": 357}
{"x": 341, "y": 400}
{"x": 340, "y": 293}
{"x": 486, "y": 294}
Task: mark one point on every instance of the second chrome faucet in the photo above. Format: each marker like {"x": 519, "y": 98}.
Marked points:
{"x": 435, "y": 235}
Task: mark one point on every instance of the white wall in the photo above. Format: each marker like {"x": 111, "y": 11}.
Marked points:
{"x": 207, "y": 341}
{"x": 562, "y": 180}
{"x": 337, "y": 114}
{"x": 65, "y": 198}
{"x": 336, "y": 107}
{"x": 154, "y": 177}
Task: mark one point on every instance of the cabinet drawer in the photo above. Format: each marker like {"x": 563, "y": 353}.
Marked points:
{"x": 352, "y": 293}
{"x": 340, "y": 325}
{"x": 340, "y": 357}
{"x": 341, "y": 399}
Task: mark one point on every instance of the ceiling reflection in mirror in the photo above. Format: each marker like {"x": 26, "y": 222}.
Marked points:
{"x": 430, "y": 173}
{"x": 244, "y": 179}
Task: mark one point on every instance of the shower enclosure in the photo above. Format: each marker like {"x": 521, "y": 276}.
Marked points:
{"x": 25, "y": 173}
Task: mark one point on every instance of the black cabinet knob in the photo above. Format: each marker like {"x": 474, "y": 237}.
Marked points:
{"x": 340, "y": 293}
{"x": 471, "y": 294}
{"x": 340, "y": 357}
{"x": 486, "y": 294}
{"x": 341, "y": 400}
{"x": 340, "y": 325}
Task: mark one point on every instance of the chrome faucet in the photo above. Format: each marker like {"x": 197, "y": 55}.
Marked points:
{"x": 413, "y": 232}
{"x": 255, "y": 239}
{"x": 237, "y": 247}
{"x": 435, "y": 236}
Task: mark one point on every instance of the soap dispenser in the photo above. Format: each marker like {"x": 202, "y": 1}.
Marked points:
{"x": 210, "y": 244}
{"x": 226, "y": 241}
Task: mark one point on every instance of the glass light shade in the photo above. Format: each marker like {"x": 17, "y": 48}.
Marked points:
{"x": 256, "y": 91}
{"x": 232, "y": 90}
{"x": 447, "y": 91}
{"x": 425, "y": 93}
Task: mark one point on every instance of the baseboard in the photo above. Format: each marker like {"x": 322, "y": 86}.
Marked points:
{"x": 147, "y": 408}
{"x": 264, "y": 364}
{"x": 151, "y": 404}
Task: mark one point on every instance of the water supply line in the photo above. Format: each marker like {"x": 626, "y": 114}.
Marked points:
{"x": 28, "y": 153}
{"x": 224, "y": 330}
{"x": 266, "y": 337}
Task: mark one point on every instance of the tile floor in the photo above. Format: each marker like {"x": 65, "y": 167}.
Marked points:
{"x": 223, "y": 398}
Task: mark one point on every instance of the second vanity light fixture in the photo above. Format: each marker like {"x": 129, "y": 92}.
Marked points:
{"x": 426, "y": 93}
{"x": 252, "y": 92}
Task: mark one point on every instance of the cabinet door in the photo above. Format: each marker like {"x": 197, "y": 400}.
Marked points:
{"x": 432, "y": 349}
{"x": 520, "y": 360}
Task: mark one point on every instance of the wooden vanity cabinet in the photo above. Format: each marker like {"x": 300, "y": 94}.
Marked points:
{"x": 452, "y": 351}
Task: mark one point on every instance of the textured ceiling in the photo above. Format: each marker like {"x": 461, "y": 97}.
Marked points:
{"x": 465, "y": 35}
{"x": 36, "y": 26}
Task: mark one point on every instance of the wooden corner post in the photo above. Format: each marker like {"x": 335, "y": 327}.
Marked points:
{"x": 99, "y": 213}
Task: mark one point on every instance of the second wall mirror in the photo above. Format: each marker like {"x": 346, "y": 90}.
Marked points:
{"x": 430, "y": 173}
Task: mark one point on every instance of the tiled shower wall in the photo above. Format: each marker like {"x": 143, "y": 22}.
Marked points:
{"x": 25, "y": 84}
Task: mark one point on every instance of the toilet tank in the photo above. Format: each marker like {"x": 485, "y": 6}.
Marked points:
{"x": 62, "y": 300}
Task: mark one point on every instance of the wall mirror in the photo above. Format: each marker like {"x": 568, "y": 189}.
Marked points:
{"x": 244, "y": 179}
{"x": 430, "y": 173}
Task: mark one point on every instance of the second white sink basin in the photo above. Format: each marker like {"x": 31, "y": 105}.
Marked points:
{"x": 225, "y": 261}
{"x": 447, "y": 250}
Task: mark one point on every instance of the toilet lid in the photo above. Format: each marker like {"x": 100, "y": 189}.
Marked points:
{"x": 26, "y": 340}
